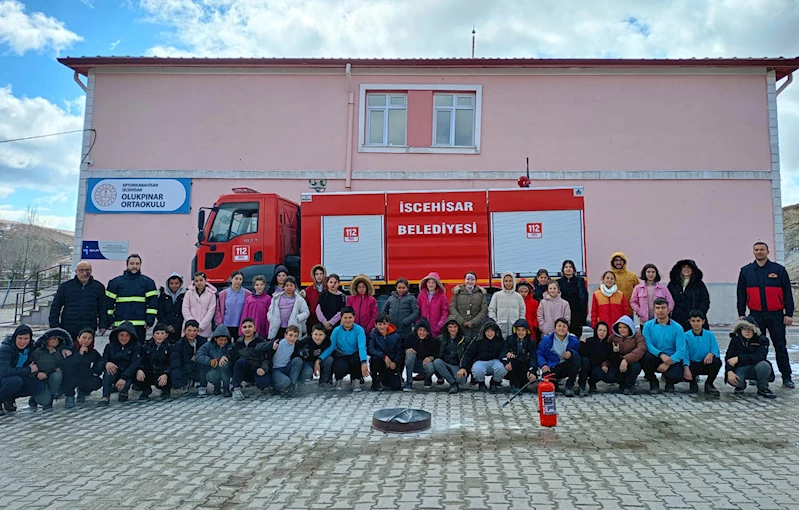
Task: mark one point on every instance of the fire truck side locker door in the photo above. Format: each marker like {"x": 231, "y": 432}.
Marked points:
{"x": 525, "y": 241}
{"x": 353, "y": 245}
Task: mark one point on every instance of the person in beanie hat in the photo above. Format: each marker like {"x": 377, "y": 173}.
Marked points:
{"x": 433, "y": 303}
{"x": 121, "y": 360}
{"x": 156, "y": 355}
{"x": 520, "y": 358}
{"x": 746, "y": 358}
{"x": 219, "y": 354}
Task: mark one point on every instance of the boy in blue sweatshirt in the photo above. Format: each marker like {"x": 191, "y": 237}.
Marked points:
{"x": 558, "y": 353}
{"x": 348, "y": 348}
{"x": 665, "y": 345}
{"x": 704, "y": 357}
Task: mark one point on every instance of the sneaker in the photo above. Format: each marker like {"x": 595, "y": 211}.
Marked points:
{"x": 495, "y": 387}
{"x": 408, "y": 386}
{"x": 32, "y": 403}
{"x": 69, "y": 402}
{"x": 739, "y": 392}
{"x": 185, "y": 389}
{"x": 654, "y": 387}
{"x": 9, "y": 406}
{"x": 202, "y": 392}
{"x": 294, "y": 391}
{"x": 103, "y": 402}
{"x": 453, "y": 388}
{"x": 144, "y": 395}
{"x": 568, "y": 392}
{"x": 377, "y": 386}
{"x": 440, "y": 381}
{"x": 582, "y": 392}
{"x": 670, "y": 388}
{"x": 711, "y": 390}
{"x": 81, "y": 398}
{"x": 628, "y": 390}
{"x": 123, "y": 397}
{"x": 694, "y": 388}
{"x": 788, "y": 384}
{"x": 326, "y": 386}
{"x": 481, "y": 387}
{"x": 428, "y": 386}
{"x": 338, "y": 385}
{"x": 237, "y": 394}
{"x": 355, "y": 385}
{"x": 767, "y": 393}
{"x": 217, "y": 390}
{"x": 227, "y": 393}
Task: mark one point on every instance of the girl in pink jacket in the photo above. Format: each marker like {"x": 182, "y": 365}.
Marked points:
{"x": 644, "y": 294}
{"x": 363, "y": 302}
{"x": 433, "y": 302}
{"x": 551, "y": 308}
{"x": 199, "y": 304}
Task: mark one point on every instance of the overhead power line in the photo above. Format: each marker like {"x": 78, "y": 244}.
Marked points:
{"x": 44, "y": 136}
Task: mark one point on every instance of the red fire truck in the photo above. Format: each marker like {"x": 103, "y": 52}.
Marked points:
{"x": 395, "y": 234}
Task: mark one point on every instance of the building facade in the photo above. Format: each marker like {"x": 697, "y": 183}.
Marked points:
{"x": 678, "y": 158}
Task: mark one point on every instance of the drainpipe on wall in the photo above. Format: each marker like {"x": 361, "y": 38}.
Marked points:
{"x": 350, "y": 113}
{"x": 76, "y": 77}
{"x": 784, "y": 85}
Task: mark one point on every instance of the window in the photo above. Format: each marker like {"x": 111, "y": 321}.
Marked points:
{"x": 453, "y": 120}
{"x": 233, "y": 220}
{"x": 386, "y": 119}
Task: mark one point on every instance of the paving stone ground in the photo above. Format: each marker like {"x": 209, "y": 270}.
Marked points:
{"x": 319, "y": 451}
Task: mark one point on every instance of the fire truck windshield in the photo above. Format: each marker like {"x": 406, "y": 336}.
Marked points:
{"x": 233, "y": 220}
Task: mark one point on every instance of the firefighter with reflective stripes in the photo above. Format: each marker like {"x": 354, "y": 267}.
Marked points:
{"x": 132, "y": 297}
{"x": 765, "y": 288}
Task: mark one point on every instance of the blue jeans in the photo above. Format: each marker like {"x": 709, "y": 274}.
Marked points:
{"x": 494, "y": 368}
{"x": 414, "y": 364}
{"x": 448, "y": 372}
{"x": 283, "y": 377}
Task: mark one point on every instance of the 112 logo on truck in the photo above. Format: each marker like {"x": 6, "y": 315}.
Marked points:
{"x": 535, "y": 231}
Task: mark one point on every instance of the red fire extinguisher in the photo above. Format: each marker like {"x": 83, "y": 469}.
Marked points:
{"x": 546, "y": 403}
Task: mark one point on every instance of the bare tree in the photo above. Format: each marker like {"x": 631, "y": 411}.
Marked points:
{"x": 25, "y": 249}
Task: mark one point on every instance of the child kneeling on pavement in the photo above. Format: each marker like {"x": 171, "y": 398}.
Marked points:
{"x": 219, "y": 355}
{"x": 451, "y": 348}
{"x": 253, "y": 364}
{"x": 82, "y": 370}
{"x": 746, "y": 358}
{"x": 286, "y": 363}
{"x": 593, "y": 353}
{"x": 49, "y": 353}
{"x": 121, "y": 360}
{"x": 348, "y": 348}
{"x": 626, "y": 347}
{"x": 185, "y": 369}
{"x": 421, "y": 348}
{"x": 704, "y": 357}
{"x": 385, "y": 355}
{"x": 484, "y": 357}
{"x": 312, "y": 349}
{"x": 156, "y": 354}
{"x": 558, "y": 355}
{"x": 520, "y": 356}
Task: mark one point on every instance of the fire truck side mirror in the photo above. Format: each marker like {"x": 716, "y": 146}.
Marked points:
{"x": 200, "y": 220}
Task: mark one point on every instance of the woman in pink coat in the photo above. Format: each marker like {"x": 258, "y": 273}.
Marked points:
{"x": 644, "y": 294}
{"x": 433, "y": 302}
{"x": 363, "y": 302}
{"x": 199, "y": 304}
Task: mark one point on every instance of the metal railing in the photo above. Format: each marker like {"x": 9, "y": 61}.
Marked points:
{"x": 40, "y": 286}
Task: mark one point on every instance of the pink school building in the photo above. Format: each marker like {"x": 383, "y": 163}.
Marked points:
{"x": 678, "y": 158}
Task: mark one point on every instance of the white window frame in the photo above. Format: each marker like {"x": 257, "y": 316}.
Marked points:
{"x": 452, "y": 110}
{"x": 368, "y": 88}
{"x": 385, "y": 109}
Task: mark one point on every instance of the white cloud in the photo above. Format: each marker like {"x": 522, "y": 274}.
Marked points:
{"x": 59, "y": 198}
{"x": 114, "y": 45}
{"x": 6, "y": 191}
{"x": 48, "y": 164}
{"x": 47, "y": 220}
{"x": 35, "y": 31}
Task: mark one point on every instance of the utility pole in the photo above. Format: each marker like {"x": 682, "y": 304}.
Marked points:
{"x": 473, "y": 32}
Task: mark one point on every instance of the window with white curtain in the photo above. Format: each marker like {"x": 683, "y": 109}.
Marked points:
{"x": 453, "y": 120}
{"x": 386, "y": 119}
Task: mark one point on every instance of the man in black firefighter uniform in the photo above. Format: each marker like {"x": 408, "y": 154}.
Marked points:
{"x": 765, "y": 288}
{"x": 133, "y": 297}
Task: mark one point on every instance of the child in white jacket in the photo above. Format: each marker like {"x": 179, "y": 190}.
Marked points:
{"x": 507, "y": 305}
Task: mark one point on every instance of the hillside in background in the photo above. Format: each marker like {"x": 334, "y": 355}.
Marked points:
{"x": 790, "y": 220}
{"x": 26, "y": 248}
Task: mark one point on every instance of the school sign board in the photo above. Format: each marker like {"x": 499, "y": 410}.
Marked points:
{"x": 104, "y": 250}
{"x": 139, "y": 196}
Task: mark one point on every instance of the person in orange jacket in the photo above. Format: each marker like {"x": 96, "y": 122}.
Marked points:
{"x": 526, "y": 289}
{"x": 626, "y": 280}
{"x": 609, "y": 302}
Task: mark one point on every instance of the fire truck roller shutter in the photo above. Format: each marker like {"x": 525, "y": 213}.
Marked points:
{"x": 524, "y": 242}
{"x": 353, "y": 245}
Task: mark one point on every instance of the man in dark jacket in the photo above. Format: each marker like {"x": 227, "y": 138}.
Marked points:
{"x": 451, "y": 347}
{"x": 132, "y": 297}
{"x": 80, "y": 303}
{"x": 185, "y": 369}
{"x": 384, "y": 347}
{"x": 121, "y": 360}
{"x": 520, "y": 356}
{"x": 170, "y": 306}
{"x": 746, "y": 358}
{"x": 484, "y": 357}
{"x": 689, "y": 292}
{"x": 156, "y": 354}
{"x": 765, "y": 288}
{"x": 17, "y": 370}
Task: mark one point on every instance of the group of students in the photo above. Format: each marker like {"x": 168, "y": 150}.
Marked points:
{"x": 238, "y": 337}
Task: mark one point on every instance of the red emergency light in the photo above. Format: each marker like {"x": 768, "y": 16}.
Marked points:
{"x": 244, "y": 190}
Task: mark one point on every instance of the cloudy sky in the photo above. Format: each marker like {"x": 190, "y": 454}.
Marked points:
{"x": 38, "y": 96}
